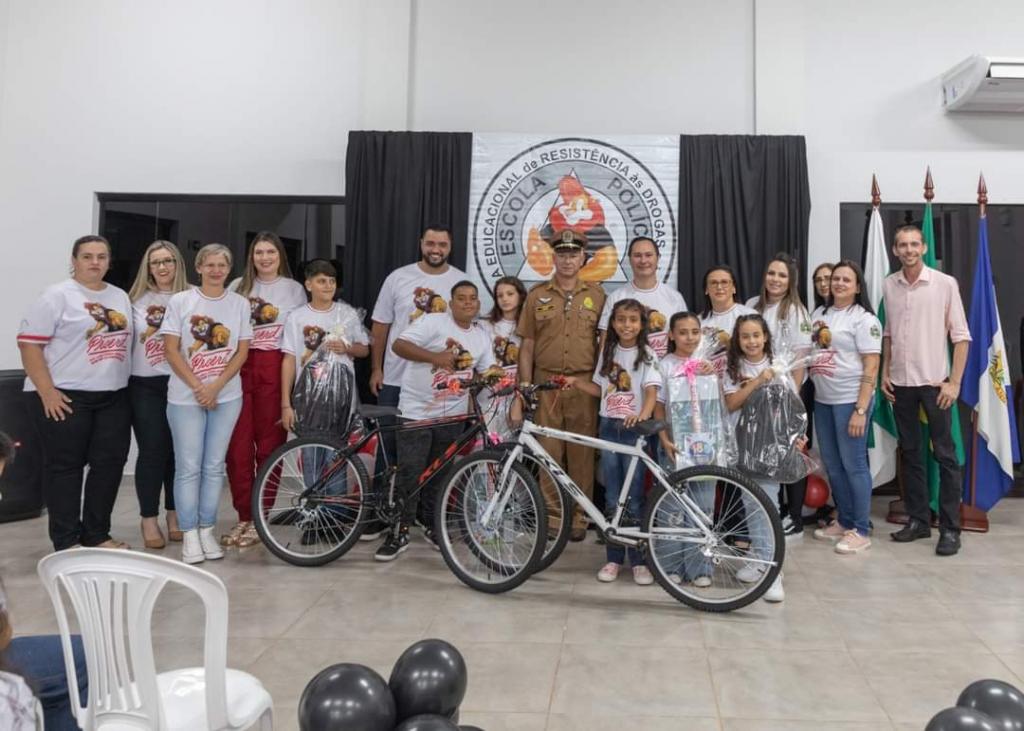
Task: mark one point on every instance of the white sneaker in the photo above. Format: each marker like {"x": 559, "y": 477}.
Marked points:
{"x": 750, "y": 573}
{"x": 675, "y": 578}
{"x": 209, "y": 544}
{"x": 609, "y": 572}
{"x": 775, "y": 592}
{"x": 642, "y": 576}
{"x": 702, "y": 582}
{"x": 191, "y": 549}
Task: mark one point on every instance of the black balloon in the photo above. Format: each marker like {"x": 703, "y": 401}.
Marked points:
{"x": 454, "y": 716}
{"x": 1001, "y": 701}
{"x": 427, "y": 722}
{"x": 429, "y": 678}
{"x": 348, "y": 696}
{"x": 961, "y": 719}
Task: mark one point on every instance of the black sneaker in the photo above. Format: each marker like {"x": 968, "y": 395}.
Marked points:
{"x": 792, "y": 530}
{"x": 392, "y": 546}
{"x": 428, "y": 534}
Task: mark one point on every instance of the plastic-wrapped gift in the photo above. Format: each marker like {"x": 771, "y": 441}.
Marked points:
{"x": 770, "y": 425}
{"x": 701, "y": 429}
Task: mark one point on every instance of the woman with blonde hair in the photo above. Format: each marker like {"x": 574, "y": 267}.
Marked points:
{"x": 161, "y": 275}
{"x": 206, "y": 332}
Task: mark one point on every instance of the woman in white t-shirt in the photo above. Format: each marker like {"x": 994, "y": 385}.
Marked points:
{"x": 848, "y": 337}
{"x": 161, "y": 275}
{"x": 627, "y": 381}
{"x": 206, "y": 332}
{"x": 721, "y": 310}
{"x": 500, "y": 325}
{"x": 273, "y": 294}
{"x": 75, "y": 344}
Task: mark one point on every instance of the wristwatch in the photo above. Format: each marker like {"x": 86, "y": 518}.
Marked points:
{"x": 860, "y": 411}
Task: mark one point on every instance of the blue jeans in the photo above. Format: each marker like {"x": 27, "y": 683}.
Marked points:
{"x": 201, "y": 439}
{"x": 613, "y": 473}
{"x": 40, "y": 660}
{"x": 688, "y": 559}
{"x": 846, "y": 461}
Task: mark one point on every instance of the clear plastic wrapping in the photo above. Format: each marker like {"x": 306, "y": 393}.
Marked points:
{"x": 325, "y": 396}
{"x": 701, "y": 429}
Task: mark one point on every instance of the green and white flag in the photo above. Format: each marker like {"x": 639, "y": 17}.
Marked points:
{"x": 882, "y": 437}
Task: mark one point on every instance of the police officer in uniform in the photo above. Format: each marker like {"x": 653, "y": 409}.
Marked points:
{"x": 558, "y": 327}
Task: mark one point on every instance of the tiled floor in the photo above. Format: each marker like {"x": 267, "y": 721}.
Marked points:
{"x": 864, "y": 643}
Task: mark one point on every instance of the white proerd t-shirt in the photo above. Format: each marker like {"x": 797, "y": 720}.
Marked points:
{"x": 669, "y": 366}
{"x": 842, "y": 336}
{"x": 661, "y": 303}
{"x": 86, "y": 336}
{"x": 148, "y": 357}
{"x": 795, "y": 329}
{"x": 408, "y": 294}
{"x": 723, "y": 324}
{"x": 307, "y": 327}
{"x": 210, "y": 330}
{"x": 505, "y": 350}
{"x": 622, "y": 390}
{"x": 270, "y": 303}
{"x": 421, "y": 397}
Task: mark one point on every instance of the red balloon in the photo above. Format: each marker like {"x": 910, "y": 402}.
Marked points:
{"x": 816, "y": 495}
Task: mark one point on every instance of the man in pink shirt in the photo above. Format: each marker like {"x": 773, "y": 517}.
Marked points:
{"x": 923, "y": 313}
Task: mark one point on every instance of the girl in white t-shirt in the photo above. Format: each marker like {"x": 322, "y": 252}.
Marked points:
{"x": 721, "y": 310}
{"x": 627, "y": 380}
{"x": 500, "y": 326}
{"x": 75, "y": 344}
{"x": 749, "y": 368}
{"x": 161, "y": 275}
{"x": 273, "y": 294}
{"x": 206, "y": 332}
{"x": 849, "y": 339}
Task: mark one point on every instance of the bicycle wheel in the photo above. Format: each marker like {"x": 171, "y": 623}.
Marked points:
{"x": 496, "y": 552}
{"x": 557, "y": 505}
{"x": 718, "y": 534}
{"x": 309, "y": 501}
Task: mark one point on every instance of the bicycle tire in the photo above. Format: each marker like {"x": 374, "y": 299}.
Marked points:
{"x": 489, "y": 559}
{"x": 556, "y": 503}
{"x": 720, "y": 561}
{"x": 301, "y": 532}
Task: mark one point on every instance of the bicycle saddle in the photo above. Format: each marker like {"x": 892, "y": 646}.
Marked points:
{"x": 649, "y": 427}
{"x": 369, "y": 411}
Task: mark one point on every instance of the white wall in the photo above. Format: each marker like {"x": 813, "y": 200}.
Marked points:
{"x": 254, "y": 96}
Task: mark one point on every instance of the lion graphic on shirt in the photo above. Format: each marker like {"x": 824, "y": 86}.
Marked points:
{"x": 721, "y": 336}
{"x": 262, "y": 312}
{"x": 106, "y": 318}
{"x": 821, "y": 335}
{"x": 506, "y": 353}
{"x": 463, "y": 358}
{"x": 207, "y": 331}
{"x": 426, "y": 301}
{"x": 154, "y": 319}
{"x": 619, "y": 379}
{"x": 312, "y": 336}
{"x": 655, "y": 321}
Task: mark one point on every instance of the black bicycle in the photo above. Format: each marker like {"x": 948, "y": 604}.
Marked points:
{"x": 314, "y": 496}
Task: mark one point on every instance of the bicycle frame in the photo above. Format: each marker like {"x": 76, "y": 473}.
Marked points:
{"x": 629, "y": 536}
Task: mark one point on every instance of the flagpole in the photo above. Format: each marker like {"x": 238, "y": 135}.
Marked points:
{"x": 972, "y": 518}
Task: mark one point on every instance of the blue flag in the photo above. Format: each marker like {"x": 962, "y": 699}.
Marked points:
{"x": 986, "y": 389}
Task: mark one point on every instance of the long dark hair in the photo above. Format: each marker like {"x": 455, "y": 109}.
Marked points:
{"x": 708, "y": 309}
{"x": 819, "y": 301}
{"x": 611, "y": 340}
{"x": 496, "y": 314}
{"x": 792, "y": 296}
{"x": 735, "y": 353}
{"x": 684, "y": 315}
{"x": 861, "y": 298}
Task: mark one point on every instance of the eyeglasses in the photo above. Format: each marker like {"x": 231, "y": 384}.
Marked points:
{"x": 157, "y": 263}
{"x": 719, "y": 283}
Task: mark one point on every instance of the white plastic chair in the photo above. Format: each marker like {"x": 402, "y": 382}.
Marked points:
{"x": 112, "y": 594}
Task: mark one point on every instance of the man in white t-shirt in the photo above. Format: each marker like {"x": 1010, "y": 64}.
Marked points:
{"x": 660, "y": 300}
{"x": 438, "y": 347}
{"x": 408, "y": 293}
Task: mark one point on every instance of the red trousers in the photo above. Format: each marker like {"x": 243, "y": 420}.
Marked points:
{"x": 258, "y": 431}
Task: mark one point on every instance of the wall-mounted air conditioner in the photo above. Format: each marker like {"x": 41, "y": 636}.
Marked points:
{"x": 984, "y": 84}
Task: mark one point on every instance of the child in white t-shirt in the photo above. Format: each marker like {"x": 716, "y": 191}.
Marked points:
{"x": 627, "y": 380}
{"x": 748, "y": 368}
{"x": 500, "y": 326}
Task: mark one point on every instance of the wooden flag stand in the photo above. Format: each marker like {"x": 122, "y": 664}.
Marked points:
{"x": 972, "y": 518}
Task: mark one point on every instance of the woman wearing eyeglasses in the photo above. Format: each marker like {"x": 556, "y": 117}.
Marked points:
{"x": 161, "y": 274}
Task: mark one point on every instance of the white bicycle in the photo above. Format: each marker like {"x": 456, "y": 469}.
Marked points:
{"x": 711, "y": 537}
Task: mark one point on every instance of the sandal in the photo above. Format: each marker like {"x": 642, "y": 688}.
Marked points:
{"x": 174, "y": 534}
{"x": 113, "y": 543}
{"x": 158, "y": 542}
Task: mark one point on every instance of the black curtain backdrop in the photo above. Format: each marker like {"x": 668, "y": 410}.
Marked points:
{"x": 395, "y": 184}
{"x": 742, "y": 198}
